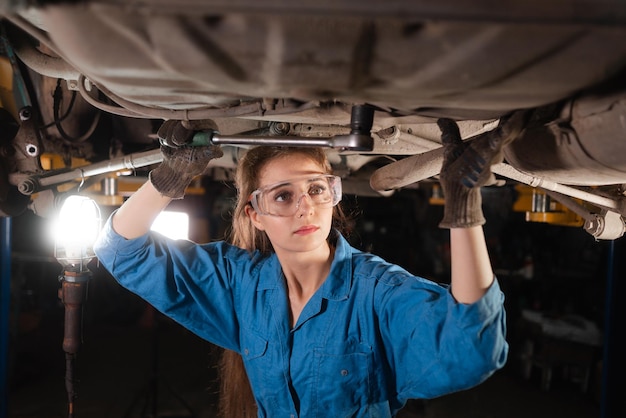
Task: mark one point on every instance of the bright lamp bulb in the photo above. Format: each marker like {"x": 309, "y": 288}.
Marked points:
{"x": 76, "y": 231}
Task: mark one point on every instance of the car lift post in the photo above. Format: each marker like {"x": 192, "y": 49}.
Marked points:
{"x": 5, "y": 303}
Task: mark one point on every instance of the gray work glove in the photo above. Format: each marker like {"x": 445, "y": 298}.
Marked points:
{"x": 181, "y": 161}
{"x": 467, "y": 166}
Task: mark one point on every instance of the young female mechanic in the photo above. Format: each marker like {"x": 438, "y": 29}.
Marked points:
{"x": 323, "y": 328}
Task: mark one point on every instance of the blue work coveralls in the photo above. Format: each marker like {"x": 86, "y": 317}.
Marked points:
{"x": 370, "y": 338}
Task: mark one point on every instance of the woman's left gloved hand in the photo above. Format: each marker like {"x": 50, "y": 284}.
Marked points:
{"x": 467, "y": 166}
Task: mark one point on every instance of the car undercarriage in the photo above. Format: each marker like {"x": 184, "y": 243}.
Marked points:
{"x": 90, "y": 82}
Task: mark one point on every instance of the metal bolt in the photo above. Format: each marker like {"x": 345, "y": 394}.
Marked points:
{"x": 32, "y": 150}
{"x": 279, "y": 128}
{"x": 25, "y": 113}
{"x": 72, "y": 84}
{"x": 27, "y": 187}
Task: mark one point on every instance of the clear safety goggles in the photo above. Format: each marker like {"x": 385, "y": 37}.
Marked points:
{"x": 284, "y": 198}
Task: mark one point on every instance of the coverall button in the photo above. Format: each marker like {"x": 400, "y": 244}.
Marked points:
{"x": 246, "y": 351}
{"x": 344, "y": 372}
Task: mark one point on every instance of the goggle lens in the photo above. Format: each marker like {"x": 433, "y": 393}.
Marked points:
{"x": 284, "y": 198}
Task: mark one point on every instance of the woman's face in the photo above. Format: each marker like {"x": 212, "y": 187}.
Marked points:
{"x": 306, "y": 229}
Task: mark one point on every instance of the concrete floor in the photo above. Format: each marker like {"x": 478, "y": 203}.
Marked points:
{"x": 115, "y": 367}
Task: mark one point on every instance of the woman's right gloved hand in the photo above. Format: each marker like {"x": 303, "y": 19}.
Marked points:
{"x": 181, "y": 161}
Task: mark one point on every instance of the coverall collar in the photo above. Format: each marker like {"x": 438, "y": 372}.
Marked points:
{"x": 335, "y": 287}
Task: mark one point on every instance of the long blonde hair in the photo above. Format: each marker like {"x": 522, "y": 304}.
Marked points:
{"x": 236, "y": 398}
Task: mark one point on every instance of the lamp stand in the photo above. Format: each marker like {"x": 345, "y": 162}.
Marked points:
{"x": 73, "y": 294}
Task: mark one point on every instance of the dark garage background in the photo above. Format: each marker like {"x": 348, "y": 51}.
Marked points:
{"x": 136, "y": 363}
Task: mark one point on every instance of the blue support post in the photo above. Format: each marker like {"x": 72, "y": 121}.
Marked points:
{"x": 608, "y": 317}
{"x": 614, "y": 362}
{"x": 5, "y": 302}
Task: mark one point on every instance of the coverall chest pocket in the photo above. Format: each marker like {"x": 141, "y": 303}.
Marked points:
{"x": 342, "y": 381}
{"x": 255, "y": 357}
{"x": 265, "y": 374}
